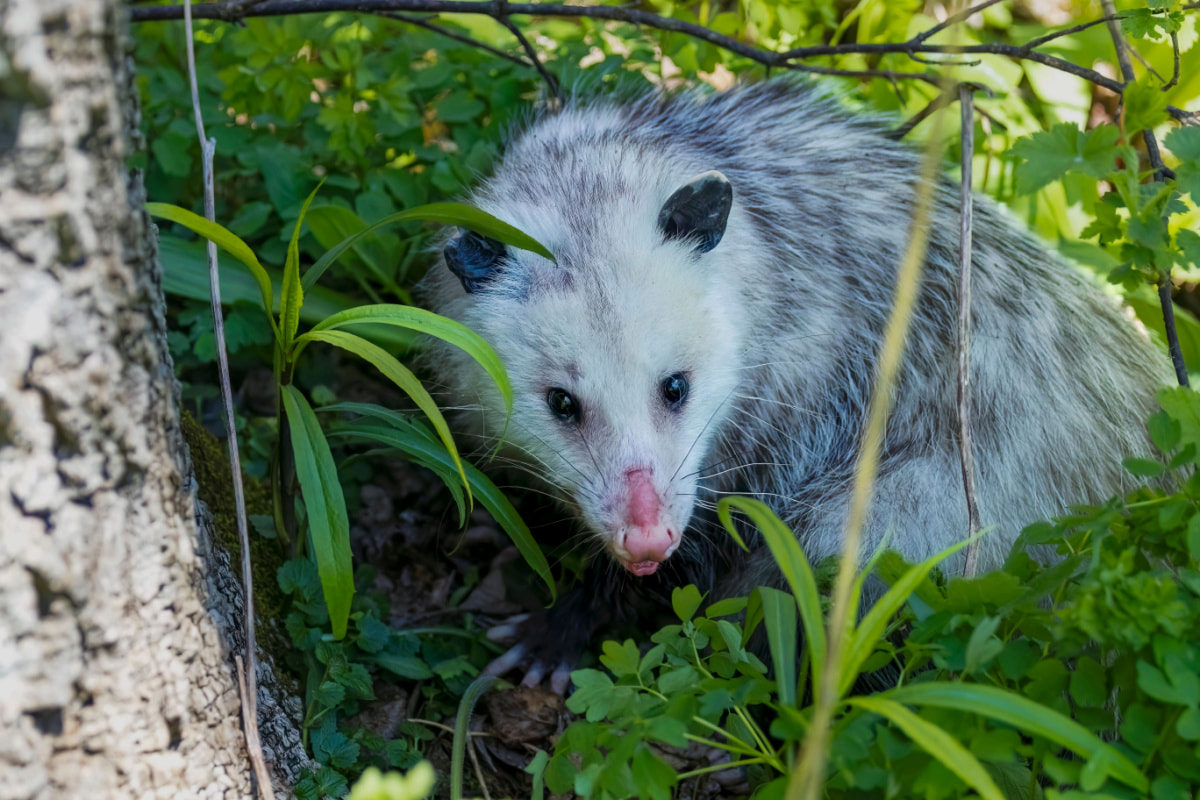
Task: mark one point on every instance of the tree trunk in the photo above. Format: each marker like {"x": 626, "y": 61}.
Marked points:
{"x": 118, "y": 614}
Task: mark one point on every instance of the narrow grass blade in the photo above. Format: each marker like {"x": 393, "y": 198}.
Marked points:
{"x": 795, "y": 568}
{"x": 327, "y": 518}
{"x": 935, "y": 741}
{"x": 292, "y": 296}
{"x": 446, "y": 213}
{"x": 398, "y": 374}
{"x": 225, "y": 240}
{"x": 418, "y": 319}
{"x": 1025, "y": 715}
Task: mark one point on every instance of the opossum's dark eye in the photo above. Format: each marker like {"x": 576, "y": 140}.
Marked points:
{"x": 675, "y": 390}
{"x": 564, "y": 406}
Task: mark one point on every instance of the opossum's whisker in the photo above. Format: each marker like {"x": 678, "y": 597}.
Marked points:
{"x": 704, "y": 475}
{"x": 700, "y": 435}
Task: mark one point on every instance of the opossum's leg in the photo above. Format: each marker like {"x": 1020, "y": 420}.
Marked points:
{"x": 548, "y": 641}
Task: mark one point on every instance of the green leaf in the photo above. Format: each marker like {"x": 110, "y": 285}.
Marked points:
{"x": 327, "y": 518}
{"x": 223, "y": 239}
{"x": 796, "y": 570}
{"x": 292, "y": 296}
{"x": 983, "y": 646}
{"x": 1144, "y": 467}
{"x": 410, "y": 667}
{"x": 1023, "y": 714}
{"x": 936, "y": 742}
{"x": 653, "y": 777}
{"x": 445, "y": 213}
{"x": 418, "y": 319}
{"x": 1048, "y": 156}
{"x": 622, "y": 659}
{"x": 685, "y": 600}
{"x": 1089, "y": 686}
{"x": 398, "y": 374}
{"x": 1145, "y": 105}
{"x": 779, "y": 618}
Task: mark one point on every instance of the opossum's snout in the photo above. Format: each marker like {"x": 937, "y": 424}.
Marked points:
{"x": 647, "y": 537}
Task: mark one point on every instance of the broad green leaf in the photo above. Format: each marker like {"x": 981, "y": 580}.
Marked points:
{"x": 445, "y": 213}
{"x": 396, "y": 430}
{"x": 685, "y": 601}
{"x": 874, "y": 623}
{"x": 935, "y": 741}
{"x": 795, "y": 568}
{"x": 223, "y": 239}
{"x": 1023, "y": 714}
{"x": 418, "y": 319}
{"x": 327, "y": 518}
{"x": 779, "y": 618}
{"x": 291, "y": 295}
{"x": 398, "y": 374}
{"x": 1047, "y": 156}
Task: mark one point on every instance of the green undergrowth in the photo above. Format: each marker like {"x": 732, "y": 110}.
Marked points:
{"x": 1078, "y": 677}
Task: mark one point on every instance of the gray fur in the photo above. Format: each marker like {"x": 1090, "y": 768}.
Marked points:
{"x": 779, "y": 327}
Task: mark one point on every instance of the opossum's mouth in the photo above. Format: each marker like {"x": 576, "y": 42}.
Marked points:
{"x": 641, "y": 568}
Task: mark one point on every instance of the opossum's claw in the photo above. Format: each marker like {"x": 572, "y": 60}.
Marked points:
{"x": 537, "y": 671}
{"x": 560, "y": 679}
{"x": 510, "y": 631}
{"x": 511, "y": 658}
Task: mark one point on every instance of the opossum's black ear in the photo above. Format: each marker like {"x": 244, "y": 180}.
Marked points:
{"x": 698, "y": 210}
{"x": 474, "y": 258}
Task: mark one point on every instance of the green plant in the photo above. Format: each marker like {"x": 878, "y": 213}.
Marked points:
{"x": 995, "y": 690}
{"x": 303, "y": 452}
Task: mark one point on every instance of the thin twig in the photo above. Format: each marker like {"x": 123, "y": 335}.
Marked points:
{"x": 953, "y": 19}
{"x": 787, "y": 60}
{"x": 965, "y": 448}
{"x": 551, "y": 81}
{"x": 247, "y": 673}
{"x": 1174, "y": 72}
{"x": 449, "y": 34}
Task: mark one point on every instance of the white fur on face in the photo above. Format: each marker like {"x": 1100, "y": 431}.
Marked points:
{"x": 608, "y": 325}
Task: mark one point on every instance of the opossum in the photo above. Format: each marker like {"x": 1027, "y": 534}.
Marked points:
{"x": 725, "y": 265}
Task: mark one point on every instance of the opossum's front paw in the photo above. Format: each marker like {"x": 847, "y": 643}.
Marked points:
{"x": 540, "y": 649}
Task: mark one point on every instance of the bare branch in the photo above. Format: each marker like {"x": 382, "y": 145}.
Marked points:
{"x": 788, "y": 60}
{"x": 953, "y": 19}
{"x": 247, "y": 677}
{"x": 965, "y": 449}
{"x": 551, "y": 81}
{"x": 449, "y": 34}
{"x": 1175, "y": 72}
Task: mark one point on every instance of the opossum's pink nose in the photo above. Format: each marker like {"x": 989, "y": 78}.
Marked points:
{"x": 645, "y": 542}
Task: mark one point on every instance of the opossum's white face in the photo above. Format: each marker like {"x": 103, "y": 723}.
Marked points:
{"x": 621, "y": 359}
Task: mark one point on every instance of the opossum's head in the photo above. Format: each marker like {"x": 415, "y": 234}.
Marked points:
{"x": 622, "y": 355}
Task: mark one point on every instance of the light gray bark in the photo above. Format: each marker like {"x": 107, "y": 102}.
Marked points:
{"x": 118, "y": 616}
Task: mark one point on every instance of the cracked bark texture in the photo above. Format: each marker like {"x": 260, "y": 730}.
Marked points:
{"x": 118, "y": 614}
